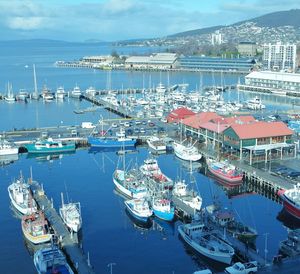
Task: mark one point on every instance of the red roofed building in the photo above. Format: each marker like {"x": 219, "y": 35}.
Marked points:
{"x": 179, "y": 114}
{"x": 259, "y": 140}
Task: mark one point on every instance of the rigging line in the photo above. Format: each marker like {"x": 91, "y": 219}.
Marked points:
{"x": 66, "y": 191}
{"x": 251, "y": 213}
{"x": 97, "y": 164}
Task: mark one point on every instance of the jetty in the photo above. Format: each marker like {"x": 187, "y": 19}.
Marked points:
{"x": 68, "y": 241}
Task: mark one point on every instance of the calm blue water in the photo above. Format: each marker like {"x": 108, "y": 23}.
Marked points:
{"x": 108, "y": 233}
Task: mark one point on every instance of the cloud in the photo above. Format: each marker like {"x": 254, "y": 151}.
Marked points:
{"x": 23, "y": 23}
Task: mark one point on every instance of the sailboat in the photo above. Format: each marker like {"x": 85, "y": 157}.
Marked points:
{"x": 71, "y": 214}
{"x": 35, "y": 95}
{"x": 10, "y": 98}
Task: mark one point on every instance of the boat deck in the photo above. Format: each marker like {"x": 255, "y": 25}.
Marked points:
{"x": 68, "y": 241}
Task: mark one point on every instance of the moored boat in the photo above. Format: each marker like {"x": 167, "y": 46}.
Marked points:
{"x": 21, "y": 197}
{"x": 225, "y": 171}
{"x": 291, "y": 200}
{"x": 156, "y": 144}
{"x": 71, "y": 215}
{"x": 76, "y": 92}
{"x": 60, "y": 93}
{"x": 139, "y": 209}
{"x": 51, "y": 260}
{"x": 50, "y": 146}
{"x": 128, "y": 184}
{"x": 35, "y": 228}
{"x": 188, "y": 153}
{"x": 197, "y": 236}
{"x": 163, "y": 209}
{"x": 7, "y": 148}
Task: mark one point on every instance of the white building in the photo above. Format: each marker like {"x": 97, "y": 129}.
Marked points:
{"x": 272, "y": 82}
{"x": 155, "y": 61}
{"x": 279, "y": 57}
{"x": 216, "y": 38}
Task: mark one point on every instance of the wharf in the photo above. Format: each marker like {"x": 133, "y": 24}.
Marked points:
{"x": 68, "y": 241}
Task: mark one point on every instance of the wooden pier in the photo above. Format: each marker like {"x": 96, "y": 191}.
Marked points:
{"x": 68, "y": 241}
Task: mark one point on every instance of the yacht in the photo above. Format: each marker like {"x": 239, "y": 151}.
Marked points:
{"x": 9, "y": 97}
{"x": 47, "y": 95}
{"x": 255, "y": 104}
{"x": 91, "y": 91}
{"x": 156, "y": 144}
{"x": 76, "y": 92}
{"x": 161, "y": 89}
{"x": 207, "y": 243}
{"x": 60, "y": 93}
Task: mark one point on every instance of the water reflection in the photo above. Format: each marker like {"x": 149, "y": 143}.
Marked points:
{"x": 42, "y": 157}
{"x": 8, "y": 159}
{"x": 288, "y": 220}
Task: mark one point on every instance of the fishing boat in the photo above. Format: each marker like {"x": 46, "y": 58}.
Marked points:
{"x": 156, "y": 144}
{"x": 139, "y": 209}
{"x": 51, "y": 260}
{"x": 71, "y": 215}
{"x": 119, "y": 140}
{"x": 188, "y": 153}
{"x": 209, "y": 244}
{"x": 225, "y": 218}
{"x": 21, "y": 197}
{"x": 291, "y": 200}
{"x": 163, "y": 209}
{"x": 128, "y": 184}
{"x": 151, "y": 169}
{"x": 7, "y": 148}
{"x": 50, "y": 146}
{"x": 225, "y": 171}
{"x": 291, "y": 246}
{"x": 35, "y": 228}
{"x": 188, "y": 197}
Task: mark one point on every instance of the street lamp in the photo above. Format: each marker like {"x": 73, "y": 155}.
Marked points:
{"x": 111, "y": 266}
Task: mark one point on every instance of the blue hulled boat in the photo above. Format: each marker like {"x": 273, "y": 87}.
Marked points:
{"x": 163, "y": 209}
{"x": 50, "y": 146}
{"x": 120, "y": 140}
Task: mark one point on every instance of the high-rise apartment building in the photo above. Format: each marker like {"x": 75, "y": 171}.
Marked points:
{"x": 279, "y": 57}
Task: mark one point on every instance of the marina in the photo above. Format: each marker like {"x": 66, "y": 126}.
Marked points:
{"x": 86, "y": 174}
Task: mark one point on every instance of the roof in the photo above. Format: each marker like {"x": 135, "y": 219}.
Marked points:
{"x": 239, "y": 119}
{"x": 261, "y": 129}
{"x": 198, "y": 119}
{"x": 158, "y": 58}
{"x": 219, "y": 128}
{"x": 275, "y": 76}
{"x": 180, "y": 113}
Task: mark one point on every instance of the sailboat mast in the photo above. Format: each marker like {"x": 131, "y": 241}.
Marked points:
{"x": 34, "y": 79}
{"x": 62, "y": 199}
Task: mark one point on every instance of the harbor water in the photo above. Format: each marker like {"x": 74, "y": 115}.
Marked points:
{"x": 108, "y": 233}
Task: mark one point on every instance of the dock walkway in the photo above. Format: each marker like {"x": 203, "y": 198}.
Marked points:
{"x": 69, "y": 243}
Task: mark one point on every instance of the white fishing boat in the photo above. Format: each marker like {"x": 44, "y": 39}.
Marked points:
{"x": 139, "y": 209}
{"x": 21, "y": 197}
{"x": 163, "y": 209}
{"x": 35, "y": 228}
{"x": 7, "y": 148}
{"x": 186, "y": 152}
{"x": 210, "y": 245}
{"x": 188, "y": 197}
{"x": 156, "y": 144}
{"x": 71, "y": 215}
{"x": 51, "y": 260}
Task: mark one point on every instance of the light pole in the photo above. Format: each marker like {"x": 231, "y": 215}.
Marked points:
{"x": 111, "y": 266}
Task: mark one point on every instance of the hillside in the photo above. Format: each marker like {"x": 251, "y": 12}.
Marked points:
{"x": 271, "y": 20}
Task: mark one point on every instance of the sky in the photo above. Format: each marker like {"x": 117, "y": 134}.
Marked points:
{"x": 113, "y": 20}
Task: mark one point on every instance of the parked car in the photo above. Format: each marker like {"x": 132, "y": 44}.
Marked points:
{"x": 240, "y": 268}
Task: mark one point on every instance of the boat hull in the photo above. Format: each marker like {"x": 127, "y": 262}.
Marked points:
{"x": 104, "y": 142}
{"x": 166, "y": 216}
{"x": 37, "y": 239}
{"x": 205, "y": 252}
{"x": 32, "y": 149}
{"x": 144, "y": 218}
{"x": 74, "y": 227}
{"x": 10, "y": 151}
{"x": 231, "y": 180}
{"x": 289, "y": 207}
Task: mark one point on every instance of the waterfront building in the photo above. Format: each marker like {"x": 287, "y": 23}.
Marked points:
{"x": 247, "y": 49}
{"x": 279, "y": 57}
{"x": 272, "y": 82}
{"x": 216, "y": 63}
{"x": 179, "y": 114}
{"x": 155, "y": 61}
{"x": 248, "y": 139}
